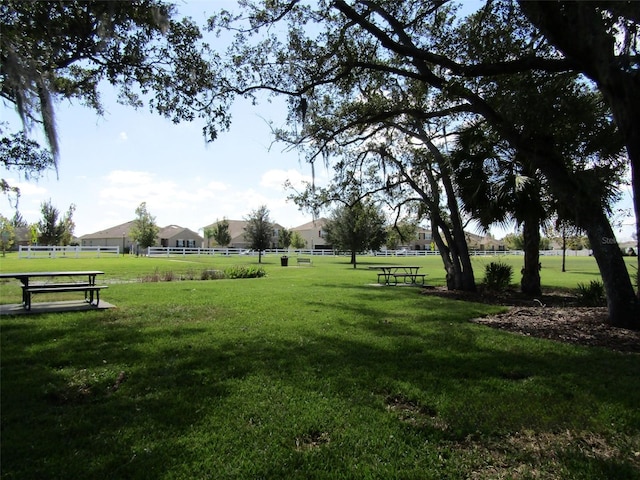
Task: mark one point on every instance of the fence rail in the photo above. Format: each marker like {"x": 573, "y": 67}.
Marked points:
{"x": 33, "y": 251}
{"x": 37, "y": 251}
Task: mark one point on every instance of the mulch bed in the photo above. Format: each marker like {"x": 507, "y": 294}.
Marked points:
{"x": 553, "y": 315}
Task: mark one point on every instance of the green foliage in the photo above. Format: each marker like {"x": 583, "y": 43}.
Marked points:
{"x": 357, "y": 227}
{"x": 210, "y": 274}
{"x": 497, "y": 276}
{"x": 7, "y": 234}
{"x": 231, "y": 272}
{"x": 144, "y": 230}
{"x": 259, "y": 230}
{"x": 220, "y": 232}
{"x": 208, "y": 235}
{"x": 19, "y": 153}
{"x": 592, "y": 294}
{"x": 402, "y": 233}
{"x": 244, "y": 271}
{"x": 297, "y": 241}
{"x": 514, "y": 241}
{"x": 577, "y": 242}
{"x": 284, "y": 238}
{"x": 50, "y": 229}
{"x": 375, "y": 80}
{"x": 68, "y": 226}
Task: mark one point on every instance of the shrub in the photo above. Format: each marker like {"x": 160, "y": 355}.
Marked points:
{"x": 169, "y": 276}
{"x": 591, "y": 295}
{"x": 245, "y": 272}
{"x": 212, "y": 275}
{"x": 497, "y": 276}
{"x": 151, "y": 277}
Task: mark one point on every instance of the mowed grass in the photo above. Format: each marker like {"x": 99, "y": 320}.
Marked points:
{"x": 309, "y": 372}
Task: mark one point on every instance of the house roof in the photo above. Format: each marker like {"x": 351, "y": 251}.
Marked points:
{"x": 118, "y": 231}
{"x": 171, "y": 231}
{"x": 312, "y": 225}
{"x": 112, "y": 232}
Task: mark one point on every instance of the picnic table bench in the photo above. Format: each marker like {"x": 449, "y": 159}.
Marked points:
{"x": 304, "y": 260}
{"x": 89, "y": 287}
{"x": 391, "y": 274}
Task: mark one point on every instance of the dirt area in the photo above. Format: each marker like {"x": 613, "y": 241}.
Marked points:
{"x": 553, "y": 315}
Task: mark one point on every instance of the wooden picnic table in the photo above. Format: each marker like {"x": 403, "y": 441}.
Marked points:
{"x": 391, "y": 273}
{"x": 89, "y": 287}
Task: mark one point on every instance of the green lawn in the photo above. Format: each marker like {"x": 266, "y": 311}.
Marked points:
{"x": 309, "y": 372}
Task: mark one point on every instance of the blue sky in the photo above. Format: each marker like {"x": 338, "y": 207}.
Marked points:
{"x": 109, "y": 165}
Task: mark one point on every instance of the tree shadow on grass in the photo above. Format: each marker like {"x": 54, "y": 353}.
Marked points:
{"x": 104, "y": 399}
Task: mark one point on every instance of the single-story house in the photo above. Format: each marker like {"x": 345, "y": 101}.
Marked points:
{"x": 116, "y": 236}
{"x": 175, "y": 236}
{"x": 119, "y": 235}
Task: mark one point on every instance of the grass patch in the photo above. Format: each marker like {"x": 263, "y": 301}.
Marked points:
{"x": 303, "y": 373}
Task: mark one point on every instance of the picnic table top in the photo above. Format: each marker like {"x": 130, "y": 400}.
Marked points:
{"x": 49, "y": 274}
{"x": 383, "y": 267}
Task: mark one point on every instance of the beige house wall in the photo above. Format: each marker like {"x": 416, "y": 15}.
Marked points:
{"x": 313, "y": 233}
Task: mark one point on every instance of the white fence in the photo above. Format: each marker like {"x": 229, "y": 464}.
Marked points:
{"x": 171, "y": 251}
{"x": 35, "y": 251}
{"x": 184, "y": 251}
{"x": 32, "y": 251}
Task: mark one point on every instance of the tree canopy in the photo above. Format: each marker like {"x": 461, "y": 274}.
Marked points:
{"x": 259, "y": 230}
{"x": 144, "y": 230}
{"x": 220, "y": 233}
{"x": 51, "y": 229}
{"x": 356, "y": 226}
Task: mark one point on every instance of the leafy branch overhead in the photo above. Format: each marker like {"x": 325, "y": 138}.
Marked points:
{"x": 67, "y": 50}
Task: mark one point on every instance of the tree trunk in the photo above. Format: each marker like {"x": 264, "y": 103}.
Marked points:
{"x": 459, "y": 276}
{"x": 624, "y": 308}
{"x": 589, "y": 214}
{"x": 530, "y": 283}
{"x": 459, "y": 248}
{"x": 564, "y": 250}
{"x": 353, "y": 258}
{"x": 455, "y": 252}
{"x": 595, "y": 56}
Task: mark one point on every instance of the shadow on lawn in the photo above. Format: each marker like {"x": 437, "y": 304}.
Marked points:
{"x": 79, "y": 405}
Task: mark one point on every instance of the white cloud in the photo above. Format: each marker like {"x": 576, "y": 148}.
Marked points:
{"x": 123, "y": 137}
{"x": 217, "y": 186}
{"x": 276, "y": 179}
{"x": 27, "y": 189}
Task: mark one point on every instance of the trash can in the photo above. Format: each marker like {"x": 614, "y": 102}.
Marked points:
{"x": 284, "y": 261}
